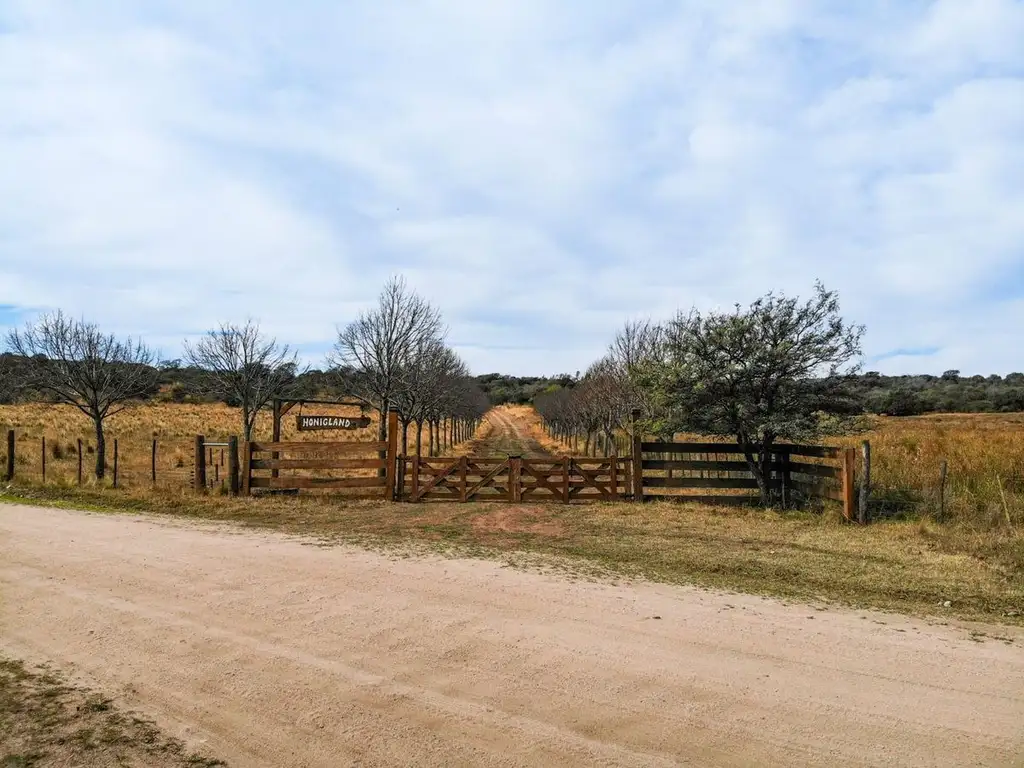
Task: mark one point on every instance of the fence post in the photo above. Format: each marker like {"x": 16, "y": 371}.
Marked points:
{"x": 276, "y": 433}
{"x": 400, "y": 479}
{"x": 200, "y": 473}
{"x": 115, "y": 462}
{"x": 865, "y": 484}
{"x": 44, "y": 458}
{"x": 79, "y": 461}
{"x": 392, "y": 455}
{"x": 849, "y": 465}
{"x": 785, "y": 477}
{"x": 638, "y": 462}
{"x": 613, "y": 473}
{"x": 463, "y": 471}
{"x": 415, "y": 476}
{"x": 515, "y": 487}
{"x": 246, "y": 467}
{"x": 233, "y": 465}
{"x": 10, "y": 455}
{"x": 152, "y": 462}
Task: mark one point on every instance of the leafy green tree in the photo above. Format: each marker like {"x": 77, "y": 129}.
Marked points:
{"x": 777, "y": 370}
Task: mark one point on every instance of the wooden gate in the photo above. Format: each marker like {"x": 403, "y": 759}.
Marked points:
{"x": 514, "y": 479}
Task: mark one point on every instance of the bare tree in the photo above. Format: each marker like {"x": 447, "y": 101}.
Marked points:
{"x": 80, "y": 366}
{"x": 428, "y": 381}
{"x": 379, "y": 344}
{"x": 244, "y": 368}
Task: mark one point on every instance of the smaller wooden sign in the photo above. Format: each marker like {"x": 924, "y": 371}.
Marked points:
{"x": 308, "y": 423}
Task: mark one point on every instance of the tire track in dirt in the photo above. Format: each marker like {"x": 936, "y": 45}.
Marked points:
{"x": 507, "y": 433}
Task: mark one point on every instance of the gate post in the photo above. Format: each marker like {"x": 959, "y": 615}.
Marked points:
{"x": 515, "y": 486}
{"x": 233, "y": 465}
{"x": 390, "y": 490}
{"x": 199, "y": 478}
{"x": 638, "y": 462}
{"x": 246, "y": 467}
{"x": 849, "y": 457}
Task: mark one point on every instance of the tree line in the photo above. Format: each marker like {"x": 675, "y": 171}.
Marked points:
{"x": 393, "y": 355}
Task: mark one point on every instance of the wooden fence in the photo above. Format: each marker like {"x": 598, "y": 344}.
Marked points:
{"x": 514, "y": 479}
{"x": 320, "y": 462}
{"x": 711, "y": 473}
{"x": 673, "y": 471}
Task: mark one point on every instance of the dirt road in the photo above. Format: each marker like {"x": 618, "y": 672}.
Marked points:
{"x": 269, "y": 652}
{"x": 509, "y": 433}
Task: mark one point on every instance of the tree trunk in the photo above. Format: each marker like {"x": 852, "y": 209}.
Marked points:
{"x": 248, "y": 425}
{"x": 405, "y": 436}
{"x": 586, "y": 445}
{"x": 382, "y": 435}
{"x": 419, "y": 438}
{"x": 759, "y": 468}
{"x": 101, "y": 449}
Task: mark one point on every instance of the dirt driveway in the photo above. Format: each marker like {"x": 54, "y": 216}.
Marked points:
{"x": 268, "y": 651}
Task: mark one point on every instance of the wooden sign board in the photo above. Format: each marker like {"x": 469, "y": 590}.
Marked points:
{"x": 308, "y": 423}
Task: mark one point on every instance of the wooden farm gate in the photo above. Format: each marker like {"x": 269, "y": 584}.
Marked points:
{"x": 514, "y": 479}
{"x": 362, "y": 474}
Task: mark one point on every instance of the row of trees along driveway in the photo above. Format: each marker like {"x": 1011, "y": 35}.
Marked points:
{"x": 394, "y": 354}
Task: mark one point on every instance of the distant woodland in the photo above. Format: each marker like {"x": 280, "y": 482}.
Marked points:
{"x": 889, "y": 395}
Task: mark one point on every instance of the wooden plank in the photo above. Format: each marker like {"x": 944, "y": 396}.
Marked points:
{"x": 318, "y": 482}
{"x": 437, "y": 480}
{"x": 818, "y": 470}
{"x": 391, "y": 467}
{"x": 309, "y": 446}
{"x": 541, "y": 478}
{"x": 592, "y": 481}
{"x": 486, "y": 479}
{"x": 318, "y": 464}
{"x": 702, "y": 465}
{"x": 700, "y": 482}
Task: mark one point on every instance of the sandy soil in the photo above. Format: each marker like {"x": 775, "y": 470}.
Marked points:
{"x": 267, "y": 651}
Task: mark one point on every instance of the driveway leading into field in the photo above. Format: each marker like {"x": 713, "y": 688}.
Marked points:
{"x": 273, "y": 652}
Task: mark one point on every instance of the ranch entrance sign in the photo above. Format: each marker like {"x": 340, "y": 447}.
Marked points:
{"x": 309, "y": 422}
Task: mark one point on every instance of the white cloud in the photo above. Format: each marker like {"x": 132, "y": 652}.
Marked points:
{"x": 541, "y": 171}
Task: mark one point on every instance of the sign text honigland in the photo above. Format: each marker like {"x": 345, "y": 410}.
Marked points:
{"x": 307, "y": 423}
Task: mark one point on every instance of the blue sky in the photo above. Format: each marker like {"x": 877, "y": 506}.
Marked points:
{"x": 541, "y": 170}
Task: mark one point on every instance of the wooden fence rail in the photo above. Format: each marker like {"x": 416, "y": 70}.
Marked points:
{"x": 663, "y": 469}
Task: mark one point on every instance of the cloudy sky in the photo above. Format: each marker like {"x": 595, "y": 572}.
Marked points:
{"x": 540, "y": 169}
